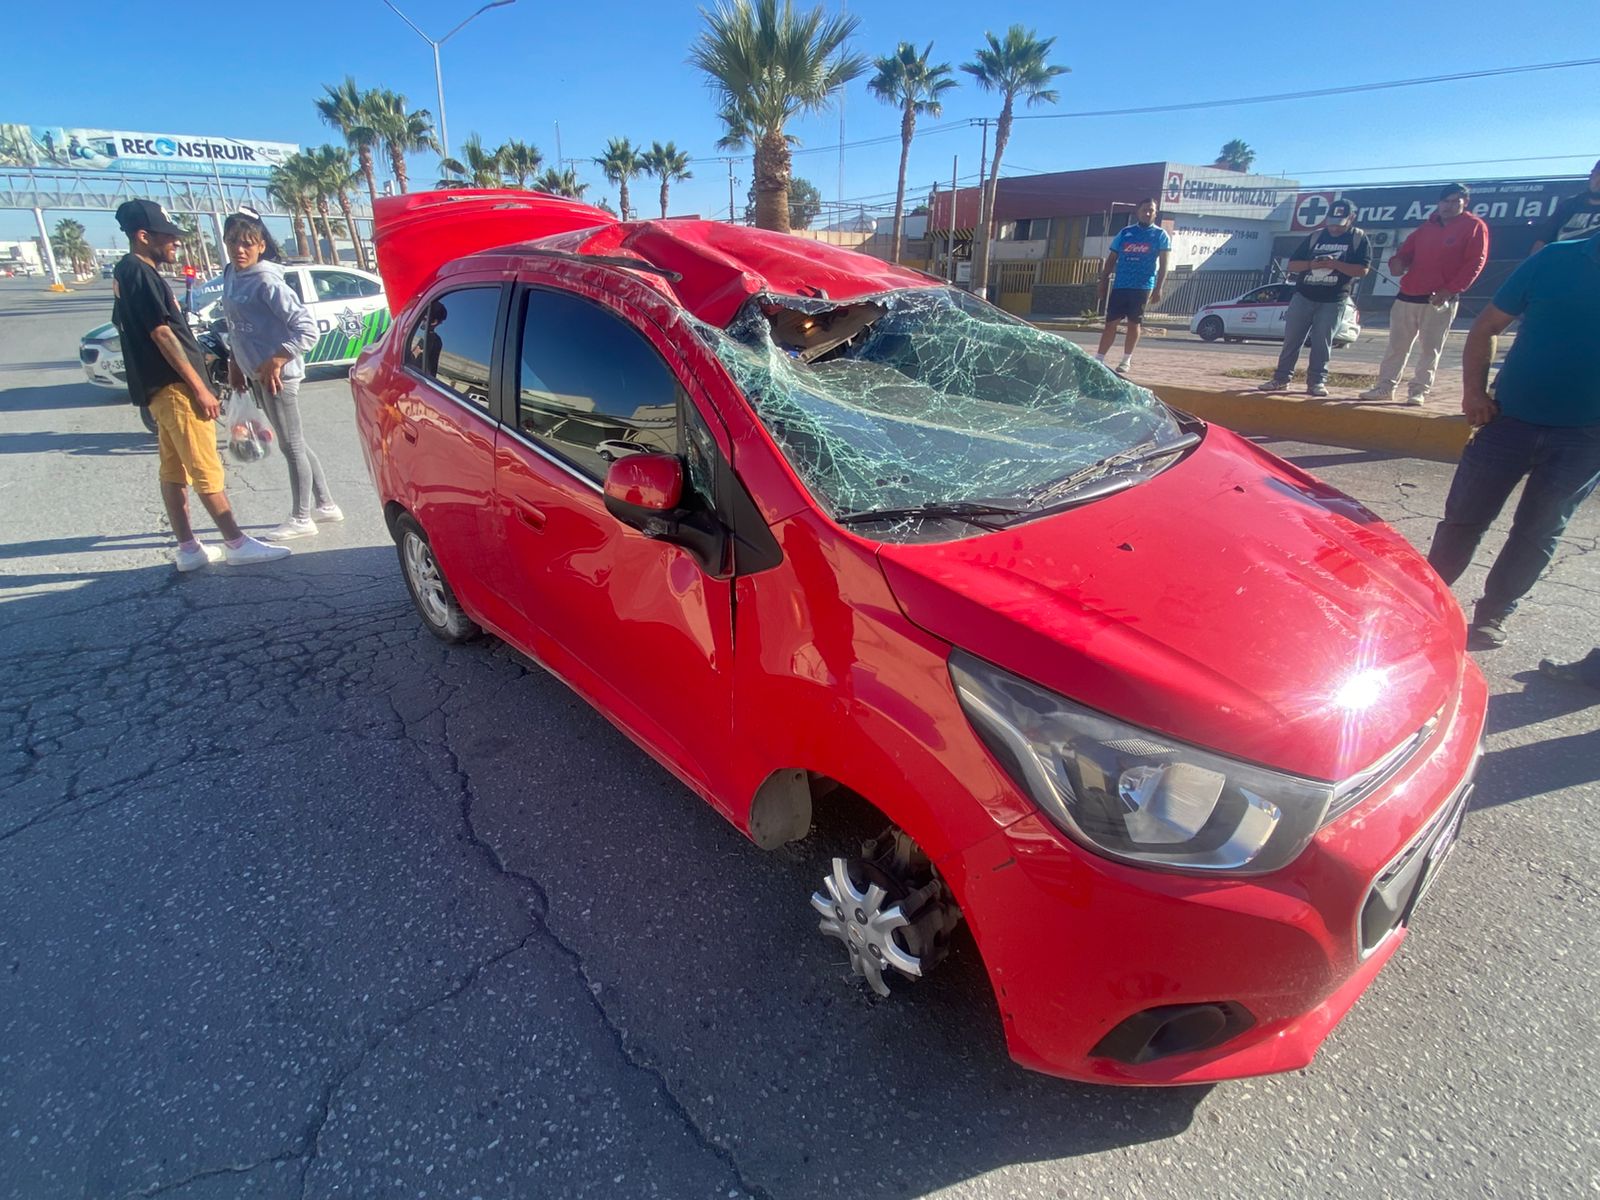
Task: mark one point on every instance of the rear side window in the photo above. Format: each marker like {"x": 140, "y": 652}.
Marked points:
{"x": 453, "y": 342}
{"x": 590, "y": 387}
{"x": 292, "y": 278}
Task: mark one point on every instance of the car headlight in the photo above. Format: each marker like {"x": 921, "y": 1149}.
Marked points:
{"x": 1134, "y": 795}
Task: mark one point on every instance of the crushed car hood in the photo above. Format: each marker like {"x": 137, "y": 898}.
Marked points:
{"x": 1230, "y": 601}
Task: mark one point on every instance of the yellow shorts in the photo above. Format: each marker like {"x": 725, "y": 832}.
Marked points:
{"x": 188, "y": 442}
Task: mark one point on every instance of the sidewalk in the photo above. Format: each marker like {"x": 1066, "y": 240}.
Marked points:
{"x": 1198, "y": 381}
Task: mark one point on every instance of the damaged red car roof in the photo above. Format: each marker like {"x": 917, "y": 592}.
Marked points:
{"x": 719, "y": 265}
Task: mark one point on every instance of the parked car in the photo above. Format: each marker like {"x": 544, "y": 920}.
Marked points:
{"x": 100, "y": 352}
{"x": 1258, "y": 316}
{"x": 349, "y": 307}
{"x": 1180, "y": 732}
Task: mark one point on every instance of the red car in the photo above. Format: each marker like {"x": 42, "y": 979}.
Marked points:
{"x": 1182, "y": 733}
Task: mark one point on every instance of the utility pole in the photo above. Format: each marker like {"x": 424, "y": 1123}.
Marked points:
{"x": 955, "y": 163}
{"x": 730, "y": 191}
{"x": 842, "y": 87}
{"x": 980, "y": 233}
{"x": 438, "y": 75}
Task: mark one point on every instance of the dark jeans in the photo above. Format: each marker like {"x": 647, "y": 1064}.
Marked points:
{"x": 1562, "y": 466}
{"x": 1319, "y": 318}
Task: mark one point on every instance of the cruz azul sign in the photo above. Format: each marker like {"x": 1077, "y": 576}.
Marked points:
{"x": 1497, "y": 201}
{"x": 57, "y": 147}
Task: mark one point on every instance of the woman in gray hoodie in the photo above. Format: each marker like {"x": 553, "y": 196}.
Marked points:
{"x": 269, "y": 331}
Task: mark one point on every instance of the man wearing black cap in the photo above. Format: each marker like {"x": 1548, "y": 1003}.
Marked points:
{"x": 1327, "y": 265}
{"x": 1436, "y": 263}
{"x": 163, "y": 365}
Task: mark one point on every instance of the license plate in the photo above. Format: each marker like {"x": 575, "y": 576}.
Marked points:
{"x": 114, "y": 364}
{"x": 1443, "y": 843}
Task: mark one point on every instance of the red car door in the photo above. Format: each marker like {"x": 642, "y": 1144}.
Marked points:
{"x": 444, "y": 434}
{"x": 641, "y": 627}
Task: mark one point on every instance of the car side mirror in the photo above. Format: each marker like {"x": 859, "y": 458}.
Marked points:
{"x": 652, "y": 483}
{"x": 645, "y": 491}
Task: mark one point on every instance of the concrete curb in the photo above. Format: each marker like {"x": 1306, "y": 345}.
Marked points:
{"x": 1408, "y": 431}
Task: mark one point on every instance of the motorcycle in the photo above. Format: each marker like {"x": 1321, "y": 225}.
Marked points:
{"x": 214, "y": 350}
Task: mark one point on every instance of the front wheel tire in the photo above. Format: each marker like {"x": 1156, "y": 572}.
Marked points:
{"x": 1210, "y": 329}
{"x": 430, "y": 591}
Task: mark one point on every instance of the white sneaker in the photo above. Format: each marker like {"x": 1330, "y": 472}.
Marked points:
{"x": 1378, "y": 393}
{"x": 1124, "y": 367}
{"x": 326, "y": 514}
{"x": 252, "y": 551}
{"x": 193, "y": 560}
{"x": 1416, "y": 401}
{"x": 294, "y": 527}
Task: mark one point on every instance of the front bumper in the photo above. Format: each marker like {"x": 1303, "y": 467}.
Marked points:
{"x": 1080, "y": 949}
{"x": 102, "y": 366}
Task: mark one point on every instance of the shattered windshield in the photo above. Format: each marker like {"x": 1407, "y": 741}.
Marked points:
{"x": 927, "y": 397}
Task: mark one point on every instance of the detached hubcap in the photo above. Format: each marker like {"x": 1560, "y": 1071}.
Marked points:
{"x": 866, "y": 926}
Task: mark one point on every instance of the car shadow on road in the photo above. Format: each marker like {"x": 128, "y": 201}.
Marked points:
{"x": 77, "y": 442}
{"x": 75, "y": 393}
{"x": 701, "y": 952}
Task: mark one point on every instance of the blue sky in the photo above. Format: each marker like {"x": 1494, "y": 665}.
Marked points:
{"x": 606, "y": 68}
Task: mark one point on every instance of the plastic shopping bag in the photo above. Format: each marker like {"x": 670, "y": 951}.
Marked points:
{"x": 249, "y": 434}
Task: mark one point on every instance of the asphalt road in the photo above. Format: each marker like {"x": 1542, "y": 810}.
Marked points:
{"x": 296, "y": 901}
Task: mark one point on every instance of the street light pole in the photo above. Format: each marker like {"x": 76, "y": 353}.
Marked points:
{"x": 438, "y": 75}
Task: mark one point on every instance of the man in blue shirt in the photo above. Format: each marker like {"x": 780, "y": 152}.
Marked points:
{"x": 1136, "y": 269}
{"x": 1542, "y": 423}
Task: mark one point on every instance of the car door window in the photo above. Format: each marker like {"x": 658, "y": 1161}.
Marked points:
{"x": 590, "y": 388}
{"x": 1259, "y": 296}
{"x": 292, "y": 278}
{"x": 453, "y": 342}
{"x": 342, "y": 285}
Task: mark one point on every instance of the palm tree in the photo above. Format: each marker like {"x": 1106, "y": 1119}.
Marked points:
{"x": 560, "y": 183}
{"x": 288, "y": 191}
{"x": 70, "y": 243}
{"x": 195, "y": 246}
{"x": 319, "y": 168}
{"x": 905, "y": 80}
{"x": 402, "y": 132}
{"x": 1014, "y": 67}
{"x": 521, "y": 161}
{"x": 767, "y": 65}
{"x": 668, "y": 164}
{"x": 620, "y": 163}
{"x": 478, "y": 166}
{"x": 338, "y": 175}
{"x": 349, "y": 110}
{"x": 1235, "y": 156}
{"x": 297, "y": 177}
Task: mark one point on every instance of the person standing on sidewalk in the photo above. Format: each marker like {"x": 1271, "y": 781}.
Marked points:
{"x": 1327, "y": 263}
{"x": 1574, "y": 218}
{"x": 1135, "y": 270}
{"x": 269, "y": 331}
{"x": 1542, "y": 424}
{"x": 1440, "y": 260}
{"x": 163, "y": 365}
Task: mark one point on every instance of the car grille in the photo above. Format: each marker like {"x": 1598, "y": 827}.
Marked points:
{"x": 1401, "y": 884}
{"x": 1364, "y": 782}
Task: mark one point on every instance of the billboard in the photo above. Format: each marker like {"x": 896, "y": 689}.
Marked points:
{"x": 1219, "y": 192}
{"x": 57, "y": 147}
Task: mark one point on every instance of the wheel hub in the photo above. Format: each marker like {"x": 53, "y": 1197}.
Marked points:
{"x": 889, "y": 909}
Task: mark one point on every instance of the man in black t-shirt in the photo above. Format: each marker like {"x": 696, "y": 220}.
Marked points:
{"x": 1325, "y": 265}
{"x": 163, "y": 365}
{"x": 1575, "y": 217}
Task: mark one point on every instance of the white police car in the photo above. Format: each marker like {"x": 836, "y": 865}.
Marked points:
{"x": 1258, "y": 316}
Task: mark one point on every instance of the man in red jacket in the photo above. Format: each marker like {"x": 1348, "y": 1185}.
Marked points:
{"x": 1441, "y": 259}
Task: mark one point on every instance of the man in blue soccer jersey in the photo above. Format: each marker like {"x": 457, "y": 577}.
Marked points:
{"x": 1135, "y": 270}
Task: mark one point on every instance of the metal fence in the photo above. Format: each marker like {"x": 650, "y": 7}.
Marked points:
{"x": 1188, "y": 293}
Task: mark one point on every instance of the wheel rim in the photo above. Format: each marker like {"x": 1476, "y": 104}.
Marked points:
{"x": 426, "y": 582}
{"x": 860, "y": 920}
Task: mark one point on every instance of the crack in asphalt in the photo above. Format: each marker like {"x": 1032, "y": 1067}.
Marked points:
{"x": 311, "y": 1136}
{"x": 541, "y": 917}
{"x": 163, "y": 1189}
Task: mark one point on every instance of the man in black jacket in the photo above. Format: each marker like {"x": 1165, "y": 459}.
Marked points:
{"x": 1575, "y": 217}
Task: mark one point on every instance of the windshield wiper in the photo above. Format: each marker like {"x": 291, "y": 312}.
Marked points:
{"x": 971, "y": 511}
{"x": 1133, "y": 456}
